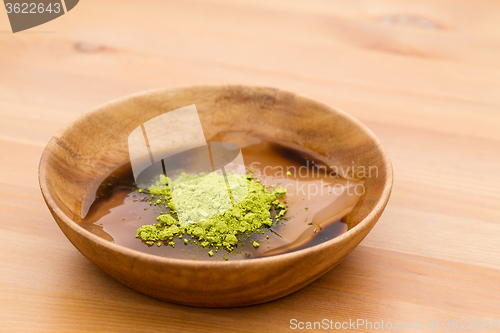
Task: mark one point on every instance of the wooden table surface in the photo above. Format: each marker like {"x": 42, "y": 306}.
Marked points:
{"x": 424, "y": 76}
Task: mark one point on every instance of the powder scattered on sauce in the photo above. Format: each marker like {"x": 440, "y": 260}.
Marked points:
{"x": 258, "y": 210}
{"x": 315, "y": 204}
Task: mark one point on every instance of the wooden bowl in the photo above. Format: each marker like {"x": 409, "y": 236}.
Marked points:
{"x": 81, "y": 154}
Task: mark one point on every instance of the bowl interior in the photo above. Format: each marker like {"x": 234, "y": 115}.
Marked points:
{"x": 80, "y": 156}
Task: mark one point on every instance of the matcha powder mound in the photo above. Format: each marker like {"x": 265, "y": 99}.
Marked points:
{"x": 251, "y": 215}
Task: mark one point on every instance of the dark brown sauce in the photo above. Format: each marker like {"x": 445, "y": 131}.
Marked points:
{"x": 119, "y": 210}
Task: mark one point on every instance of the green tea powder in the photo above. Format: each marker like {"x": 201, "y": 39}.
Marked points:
{"x": 222, "y": 231}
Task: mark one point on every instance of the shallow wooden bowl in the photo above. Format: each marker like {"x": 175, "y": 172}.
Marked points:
{"x": 80, "y": 155}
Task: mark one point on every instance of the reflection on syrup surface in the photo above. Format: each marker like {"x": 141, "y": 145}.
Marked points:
{"x": 317, "y": 199}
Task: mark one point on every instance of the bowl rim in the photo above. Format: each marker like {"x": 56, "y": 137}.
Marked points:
{"x": 363, "y": 224}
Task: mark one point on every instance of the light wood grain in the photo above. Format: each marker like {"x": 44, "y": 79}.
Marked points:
{"x": 430, "y": 95}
